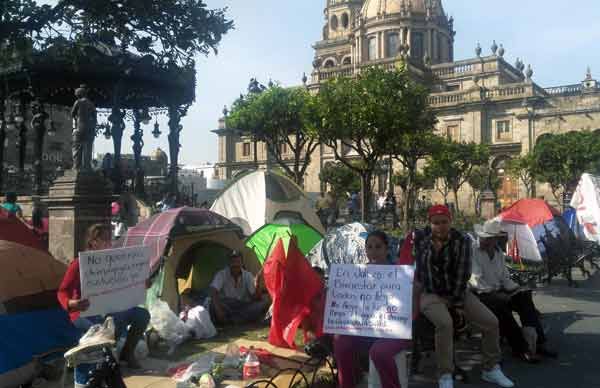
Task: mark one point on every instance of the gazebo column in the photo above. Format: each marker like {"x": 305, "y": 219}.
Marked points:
{"x": 116, "y": 119}
{"x": 138, "y": 143}
{"x": 2, "y": 140}
{"x": 175, "y": 127}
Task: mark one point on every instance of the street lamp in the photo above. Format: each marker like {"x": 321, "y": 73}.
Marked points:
{"x": 156, "y": 131}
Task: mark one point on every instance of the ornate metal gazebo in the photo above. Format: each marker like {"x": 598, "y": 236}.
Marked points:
{"x": 123, "y": 86}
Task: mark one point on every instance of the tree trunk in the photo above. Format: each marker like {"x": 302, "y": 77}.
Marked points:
{"x": 408, "y": 200}
{"x": 455, "y": 191}
{"x": 2, "y": 139}
{"x": 365, "y": 182}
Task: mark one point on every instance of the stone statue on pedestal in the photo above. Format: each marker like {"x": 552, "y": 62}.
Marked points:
{"x": 84, "y": 129}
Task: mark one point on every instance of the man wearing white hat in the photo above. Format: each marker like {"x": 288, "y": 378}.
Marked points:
{"x": 491, "y": 282}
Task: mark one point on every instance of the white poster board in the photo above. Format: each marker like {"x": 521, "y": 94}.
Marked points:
{"x": 370, "y": 301}
{"x": 114, "y": 279}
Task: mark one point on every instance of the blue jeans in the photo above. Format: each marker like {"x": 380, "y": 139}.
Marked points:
{"x": 137, "y": 317}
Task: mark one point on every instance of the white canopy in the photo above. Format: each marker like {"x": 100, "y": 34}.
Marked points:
{"x": 586, "y": 202}
{"x": 262, "y": 197}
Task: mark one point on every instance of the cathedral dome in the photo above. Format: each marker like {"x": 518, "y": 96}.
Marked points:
{"x": 159, "y": 156}
{"x": 375, "y": 8}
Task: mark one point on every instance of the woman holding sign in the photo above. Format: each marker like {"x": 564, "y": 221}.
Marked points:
{"x": 98, "y": 237}
{"x": 381, "y": 351}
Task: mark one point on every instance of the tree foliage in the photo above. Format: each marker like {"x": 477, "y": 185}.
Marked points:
{"x": 341, "y": 178}
{"x": 285, "y": 120}
{"x": 362, "y": 116}
{"x": 168, "y": 30}
{"x": 453, "y": 165}
{"x": 524, "y": 169}
{"x": 560, "y": 159}
{"x": 483, "y": 178}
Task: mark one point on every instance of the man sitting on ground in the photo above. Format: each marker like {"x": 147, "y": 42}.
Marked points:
{"x": 236, "y": 295}
{"x": 491, "y": 282}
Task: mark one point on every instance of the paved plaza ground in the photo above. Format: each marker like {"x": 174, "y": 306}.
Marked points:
{"x": 571, "y": 315}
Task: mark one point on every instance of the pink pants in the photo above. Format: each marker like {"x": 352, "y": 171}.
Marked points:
{"x": 381, "y": 351}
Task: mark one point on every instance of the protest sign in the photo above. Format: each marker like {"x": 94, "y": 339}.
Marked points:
{"x": 114, "y": 279}
{"x": 369, "y": 300}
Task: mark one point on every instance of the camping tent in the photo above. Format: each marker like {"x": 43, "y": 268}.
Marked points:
{"x": 262, "y": 197}
{"x": 529, "y": 222}
{"x": 13, "y": 229}
{"x": 586, "y": 202}
{"x": 346, "y": 245}
{"x": 29, "y": 277}
{"x": 189, "y": 246}
{"x": 264, "y": 239}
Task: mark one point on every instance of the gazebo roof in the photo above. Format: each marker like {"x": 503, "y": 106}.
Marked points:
{"x": 55, "y": 73}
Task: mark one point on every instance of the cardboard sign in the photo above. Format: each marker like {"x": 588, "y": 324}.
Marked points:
{"x": 370, "y": 301}
{"x": 114, "y": 280}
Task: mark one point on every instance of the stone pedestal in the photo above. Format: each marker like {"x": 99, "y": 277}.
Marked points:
{"x": 75, "y": 201}
{"x": 488, "y": 204}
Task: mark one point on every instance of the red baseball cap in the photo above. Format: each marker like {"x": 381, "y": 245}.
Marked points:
{"x": 439, "y": 210}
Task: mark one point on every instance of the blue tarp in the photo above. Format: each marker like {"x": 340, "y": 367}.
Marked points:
{"x": 23, "y": 336}
{"x": 554, "y": 229}
{"x": 570, "y": 217}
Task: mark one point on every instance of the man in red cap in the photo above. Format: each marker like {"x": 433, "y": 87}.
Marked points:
{"x": 443, "y": 269}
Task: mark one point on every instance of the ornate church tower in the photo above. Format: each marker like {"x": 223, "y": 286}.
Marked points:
{"x": 361, "y": 32}
{"x": 335, "y": 49}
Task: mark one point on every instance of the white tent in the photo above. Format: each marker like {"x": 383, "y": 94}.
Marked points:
{"x": 586, "y": 202}
{"x": 262, "y": 197}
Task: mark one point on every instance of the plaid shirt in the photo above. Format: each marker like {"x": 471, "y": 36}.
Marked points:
{"x": 445, "y": 273}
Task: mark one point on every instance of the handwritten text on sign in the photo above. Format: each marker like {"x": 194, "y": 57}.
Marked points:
{"x": 114, "y": 279}
{"x": 369, "y": 301}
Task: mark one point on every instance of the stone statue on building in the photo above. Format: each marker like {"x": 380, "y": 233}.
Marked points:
{"x": 84, "y": 129}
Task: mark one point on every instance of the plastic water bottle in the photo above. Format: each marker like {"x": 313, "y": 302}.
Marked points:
{"x": 251, "y": 368}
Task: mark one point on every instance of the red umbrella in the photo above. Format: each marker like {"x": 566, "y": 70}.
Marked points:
{"x": 15, "y": 230}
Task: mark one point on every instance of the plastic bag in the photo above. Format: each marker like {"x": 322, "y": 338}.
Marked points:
{"x": 141, "y": 350}
{"x": 232, "y": 356}
{"x": 199, "y": 322}
{"x": 168, "y": 326}
{"x": 206, "y": 381}
{"x": 199, "y": 367}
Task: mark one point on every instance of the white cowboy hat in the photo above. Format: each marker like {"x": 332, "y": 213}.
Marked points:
{"x": 489, "y": 229}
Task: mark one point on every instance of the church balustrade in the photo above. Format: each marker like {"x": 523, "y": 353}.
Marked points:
{"x": 564, "y": 90}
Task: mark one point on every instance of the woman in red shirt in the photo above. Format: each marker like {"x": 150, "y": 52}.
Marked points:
{"x": 98, "y": 237}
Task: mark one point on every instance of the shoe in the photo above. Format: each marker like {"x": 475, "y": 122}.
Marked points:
{"x": 496, "y": 376}
{"x": 544, "y": 351}
{"x": 446, "y": 381}
{"x": 528, "y": 357}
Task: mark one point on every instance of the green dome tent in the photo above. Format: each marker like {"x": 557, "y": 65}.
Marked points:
{"x": 265, "y": 238}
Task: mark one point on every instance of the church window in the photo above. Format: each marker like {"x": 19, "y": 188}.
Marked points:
{"x": 503, "y": 131}
{"x": 453, "y": 132}
{"x": 345, "y": 20}
{"x": 246, "y": 149}
{"x": 334, "y": 22}
{"x": 329, "y": 63}
{"x": 417, "y": 46}
{"x": 347, "y": 61}
{"x": 392, "y": 44}
{"x": 372, "y": 49}
{"x": 453, "y": 88}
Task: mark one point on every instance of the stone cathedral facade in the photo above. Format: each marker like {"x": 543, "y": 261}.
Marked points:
{"x": 484, "y": 99}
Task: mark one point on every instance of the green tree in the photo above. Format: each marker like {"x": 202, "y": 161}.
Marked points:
{"x": 414, "y": 145}
{"x": 341, "y": 178}
{"x": 524, "y": 169}
{"x": 284, "y": 119}
{"x": 362, "y": 116}
{"x": 482, "y": 178}
{"x": 561, "y": 159}
{"x": 171, "y": 31}
{"x": 453, "y": 165}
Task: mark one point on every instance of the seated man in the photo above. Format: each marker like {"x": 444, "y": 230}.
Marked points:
{"x": 443, "y": 268}
{"x": 236, "y": 296}
{"x": 491, "y": 282}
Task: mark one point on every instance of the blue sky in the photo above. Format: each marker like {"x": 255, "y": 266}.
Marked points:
{"x": 272, "y": 39}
